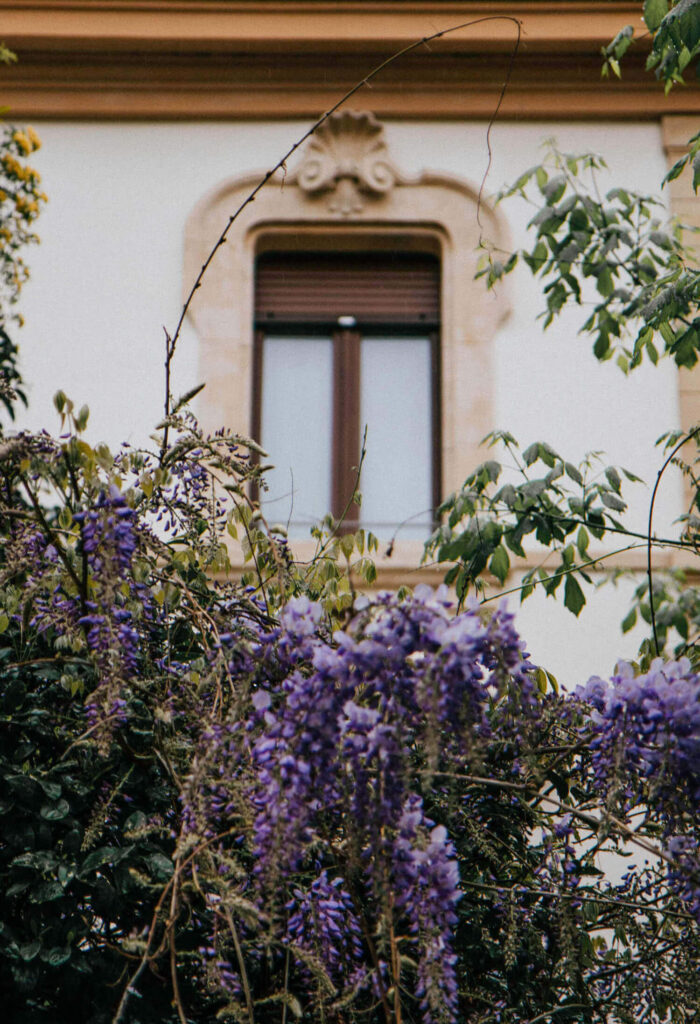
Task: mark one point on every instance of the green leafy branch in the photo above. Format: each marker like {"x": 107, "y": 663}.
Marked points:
{"x": 488, "y": 519}
{"x": 613, "y": 251}
{"x": 674, "y": 28}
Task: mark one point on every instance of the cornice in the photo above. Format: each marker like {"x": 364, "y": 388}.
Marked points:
{"x": 181, "y": 59}
{"x": 304, "y": 25}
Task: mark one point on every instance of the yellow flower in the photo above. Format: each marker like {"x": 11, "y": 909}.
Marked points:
{"x": 33, "y": 138}
{"x": 11, "y": 165}
{"x": 3, "y": 195}
{"x": 23, "y": 142}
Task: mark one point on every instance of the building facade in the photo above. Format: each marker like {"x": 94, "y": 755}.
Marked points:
{"x": 345, "y": 294}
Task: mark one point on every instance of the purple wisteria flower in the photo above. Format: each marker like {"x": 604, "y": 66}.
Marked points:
{"x": 337, "y": 740}
{"x": 426, "y": 879}
{"x": 323, "y": 922}
{"x": 645, "y": 738}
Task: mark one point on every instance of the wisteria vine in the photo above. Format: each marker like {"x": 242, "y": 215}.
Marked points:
{"x": 267, "y": 806}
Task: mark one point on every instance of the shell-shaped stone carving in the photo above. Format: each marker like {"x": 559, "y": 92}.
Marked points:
{"x": 347, "y": 157}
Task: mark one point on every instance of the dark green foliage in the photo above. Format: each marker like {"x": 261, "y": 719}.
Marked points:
{"x": 85, "y": 845}
{"x": 11, "y": 389}
{"x": 676, "y": 31}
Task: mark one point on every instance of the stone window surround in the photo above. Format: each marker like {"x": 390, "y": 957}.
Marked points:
{"x": 347, "y": 195}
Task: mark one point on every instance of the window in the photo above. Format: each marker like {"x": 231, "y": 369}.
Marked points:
{"x": 345, "y": 342}
{"x": 347, "y": 196}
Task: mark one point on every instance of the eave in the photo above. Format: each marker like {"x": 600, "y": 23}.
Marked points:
{"x": 181, "y": 59}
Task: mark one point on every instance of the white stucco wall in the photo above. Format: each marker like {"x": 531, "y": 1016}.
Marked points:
{"x": 107, "y": 278}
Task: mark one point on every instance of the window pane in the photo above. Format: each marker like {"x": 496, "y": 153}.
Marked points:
{"x": 395, "y": 405}
{"x": 296, "y": 428}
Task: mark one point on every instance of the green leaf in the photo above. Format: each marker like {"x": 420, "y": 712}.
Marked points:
{"x": 629, "y": 621}
{"x": 696, "y": 172}
{"x": 654, "y": 13}
{"x": 56, "y": 956}
{"x": 561, "y": 784}
{"x": 81, "y": 419}
{"x": 347, "y": 543}
{"x": 531, "y": 454}
{"x": 604, "y": 281}
{"x": 677, "y": 169}
{"x": 17, "y": 887}
{"x": 553, "y": 682}
{"x": 612, "y": 501}
{"x": 582, "y": 541}
{"x": 55, "y": 812}
{"x": 573, "y": 473}
{"x": 30, "y": 950}
{"x": 574, "y": 598}
{"x": 45, "y": 892}
{"x": 161, "y": 866}
{"x": 613, "y": 478}
{"x": 500, "y": 563}
{"x": 102, "y": 855}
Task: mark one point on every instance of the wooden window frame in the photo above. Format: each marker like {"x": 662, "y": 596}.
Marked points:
{"x": 346, "y": 397}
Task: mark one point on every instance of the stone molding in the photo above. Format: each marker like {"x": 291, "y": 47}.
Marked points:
{"x": 431, "y": 213}
{"x": 347, "y": 159}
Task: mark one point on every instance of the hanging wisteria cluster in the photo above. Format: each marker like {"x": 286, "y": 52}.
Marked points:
{"x": 645, "y": 739}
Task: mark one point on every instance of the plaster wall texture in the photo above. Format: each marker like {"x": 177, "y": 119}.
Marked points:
{"x": 108, "y": 276}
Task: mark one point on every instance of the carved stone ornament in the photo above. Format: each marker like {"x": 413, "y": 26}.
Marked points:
{"x": 347, "y": 157}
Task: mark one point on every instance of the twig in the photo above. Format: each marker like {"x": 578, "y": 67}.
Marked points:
{"x": 241, "y": 964}
{"x": 169, "y": 353}
{"x": 173, "y": 957}
{"x": 62, "y": 554}
{"x": 492, "y": 121}
{"x": 661, "y": 472}
{"x": 147, "y": 955}
{"x": 286, "y": 987}
{"x": 595, "y": 823}
{"x": 561, "y": 572}
{"x": 577, "y": 895}
{"x": 171, "y": 341}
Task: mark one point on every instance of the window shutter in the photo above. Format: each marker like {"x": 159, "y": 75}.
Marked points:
{"x": 375, "y": 288}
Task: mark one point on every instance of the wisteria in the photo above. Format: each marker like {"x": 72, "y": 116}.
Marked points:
{"x": 645, "y": 739}
{"x": 426, "y": 877}
{"x": 283, "y": 804}
{"x": 323, "y": 923}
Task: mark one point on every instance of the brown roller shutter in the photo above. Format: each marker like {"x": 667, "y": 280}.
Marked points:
{"x": 375, "y": 288}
